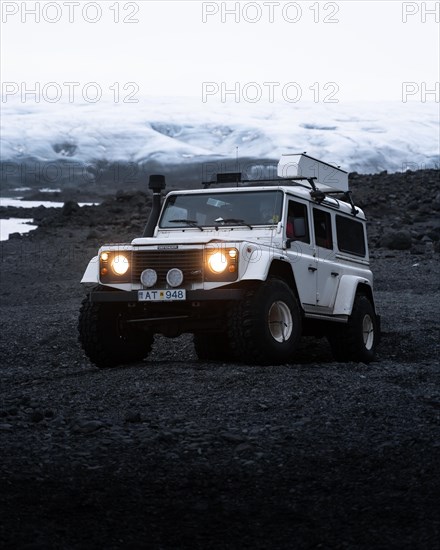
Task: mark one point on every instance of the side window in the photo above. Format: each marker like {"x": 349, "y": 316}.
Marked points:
{"x": 350, "y": 235}
{"x": 323, "y": 228}
{"x": 297, "y": 227}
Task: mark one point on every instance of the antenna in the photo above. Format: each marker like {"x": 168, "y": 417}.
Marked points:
{"x": 236, "y": 161}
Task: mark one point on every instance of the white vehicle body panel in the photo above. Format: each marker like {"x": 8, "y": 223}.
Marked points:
{"x": 326, "y": 279}
{"x": 346, "y": 293}
{"x": 91, "y": 274}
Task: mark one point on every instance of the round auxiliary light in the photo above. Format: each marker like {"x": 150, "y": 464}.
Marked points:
{"x": 120, "y": 264}
{"x": 149, "y": 278}
{"x": 174, "y": 277}
{"x": 217, "y": 262}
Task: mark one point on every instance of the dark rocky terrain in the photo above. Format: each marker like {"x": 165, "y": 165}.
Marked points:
{"x": 173, "y": 453}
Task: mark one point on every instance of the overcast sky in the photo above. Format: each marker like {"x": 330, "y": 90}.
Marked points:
{"x": 356, "y": 50}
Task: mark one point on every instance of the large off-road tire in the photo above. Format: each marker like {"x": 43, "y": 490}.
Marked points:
{"x": 265, "y": 328}
{"x": 104, "y": 338}
{"x": 212, "y": 346}
{"x": 358, "y": 339}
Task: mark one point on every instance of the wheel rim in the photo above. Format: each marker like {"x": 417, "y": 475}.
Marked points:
{"x": 368, "y": 332}
{"x": 280, "y": 321}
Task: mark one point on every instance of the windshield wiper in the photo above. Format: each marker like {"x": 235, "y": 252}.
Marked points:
{"x": 233, "y": 220}
{"x": 191, "y": 223}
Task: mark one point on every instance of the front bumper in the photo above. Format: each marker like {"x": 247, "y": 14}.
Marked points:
{"x": 218, "y": 294}
{"x": 202, "y": 311}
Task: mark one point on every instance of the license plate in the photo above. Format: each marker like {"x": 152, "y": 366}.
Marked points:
{"x": 161, "y": 295}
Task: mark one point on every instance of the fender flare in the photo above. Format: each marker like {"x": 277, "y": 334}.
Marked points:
{"x": 91, "y": 274}
{"x": 347, "y": 289}
{"x": 258, "y": 263}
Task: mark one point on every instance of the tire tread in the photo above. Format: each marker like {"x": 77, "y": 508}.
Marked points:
{"x": 345, "y": 341}
{"x": 101, "y": 342}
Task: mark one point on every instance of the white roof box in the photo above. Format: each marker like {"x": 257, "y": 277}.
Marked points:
{"x": 328, "y": 177}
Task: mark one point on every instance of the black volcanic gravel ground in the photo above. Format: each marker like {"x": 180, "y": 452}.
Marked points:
{"x": 173, "y": 453}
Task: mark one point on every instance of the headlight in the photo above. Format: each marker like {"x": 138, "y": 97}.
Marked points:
{"x": 217, "y": 262}
{"x": 114, "y": 267}
{"x": 222, "y": 264}
{"x": 120, "y": 264}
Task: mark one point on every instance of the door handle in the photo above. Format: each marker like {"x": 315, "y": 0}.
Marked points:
{"x": 312, "y": 269}
{"x": 334, "y": 274}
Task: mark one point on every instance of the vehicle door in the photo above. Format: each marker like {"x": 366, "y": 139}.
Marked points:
{"x": 328, "y": 274}
{"x": 301, "y": 251}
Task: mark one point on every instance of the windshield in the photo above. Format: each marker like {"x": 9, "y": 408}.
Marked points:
{"x": 217, "y": 208}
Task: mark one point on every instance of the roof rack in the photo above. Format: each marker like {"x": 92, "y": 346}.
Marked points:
{"x": 323, "y": 178}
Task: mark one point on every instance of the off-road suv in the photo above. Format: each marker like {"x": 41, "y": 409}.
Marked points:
{"x": 247, "y": 267}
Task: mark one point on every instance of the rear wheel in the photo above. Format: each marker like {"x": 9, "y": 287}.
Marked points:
{"x": 266, "y": 327}
{"x": 106, "y": 339}
{"x": 358, "y": 339}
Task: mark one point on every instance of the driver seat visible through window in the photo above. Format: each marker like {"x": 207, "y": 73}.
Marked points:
{"x": 297, "y": 227}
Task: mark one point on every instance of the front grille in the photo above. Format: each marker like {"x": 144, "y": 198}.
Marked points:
{"x": 189, "y": 261}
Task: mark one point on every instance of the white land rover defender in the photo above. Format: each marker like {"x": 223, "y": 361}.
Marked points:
{"x": 246, "y": 266}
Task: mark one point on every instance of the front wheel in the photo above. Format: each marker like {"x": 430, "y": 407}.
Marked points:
{"x": 266, "y": 327}
{"x": 358, "y": 339}
{"x": 106, "y": 340}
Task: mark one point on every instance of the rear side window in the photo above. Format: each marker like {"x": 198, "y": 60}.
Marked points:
{"x": 323, "y": 229}
{"x": 351, "y": 237}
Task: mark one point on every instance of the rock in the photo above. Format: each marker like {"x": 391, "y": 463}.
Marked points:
{"x": 232, "y": 438}
{"x": 37, "y": 416}
{"x": 88, "y": 426}
{"x": 396, "y": 240}
{"x": 70, "y": 207}
{"x": 242, "y": 447}
{"x": 4, "y": 427}
{"x": 92, "y": 235}
{"x": 434, "y": 235}
{"x": 133, "y": 417}
{"x": 124, "y": 196}
{"x": 418, "y": 249}
{"x": 116, "y": 209}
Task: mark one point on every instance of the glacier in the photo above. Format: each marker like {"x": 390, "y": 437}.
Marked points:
{"x": 365, "y": 137}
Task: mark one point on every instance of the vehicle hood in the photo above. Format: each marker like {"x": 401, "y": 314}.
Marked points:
{"x": 205, "y": 237}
